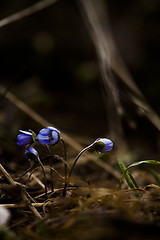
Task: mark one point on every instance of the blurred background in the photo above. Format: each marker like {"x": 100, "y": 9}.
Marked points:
{"x": 48, "y": 60}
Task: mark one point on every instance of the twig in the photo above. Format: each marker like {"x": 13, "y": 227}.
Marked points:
{"x": 26, "y": 12}
{"x": 27, "y": 173}
{"x": 96, "y": 20}
{"x": 37, "y": 180}
{"x": 93, "y": 17}
{"x": 24, "y": 197}
{"x": 21, "y": 205}
{"x": 6, "y": 174}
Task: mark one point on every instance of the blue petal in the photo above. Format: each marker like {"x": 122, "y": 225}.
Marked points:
{"x": 33, "y": 150}
{"x": 53, "y": 129}
{"x": 55, "y": 137}
{"x": 49, "y": 135}
{"x": 26, "y": 153}
{"x": 52, "y": 142}
{"x": 43, "y": 139}
{"x": 107, "y": 148}
{"x": 26, "y": 133}
{"x": 108, "y": 145}
{"x": 24, "y": 139}
{"x": 103, "y": 145}
{"x": 44, "y": 131}
{"x": 31, "y": 153}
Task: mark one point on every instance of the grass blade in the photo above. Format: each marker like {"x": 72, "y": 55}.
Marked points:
{"x": 129, "y": 178}
{"x": 127, "y": 175}
{"x": 143, "y": 162}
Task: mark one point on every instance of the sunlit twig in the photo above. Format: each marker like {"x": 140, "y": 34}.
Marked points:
{"x": 26, "y": 12}
{"x": 24, "y": 197}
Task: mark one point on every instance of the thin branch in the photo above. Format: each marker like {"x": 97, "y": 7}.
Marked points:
{"x": 93, "y": 15}
{"x": 6, "y": 174}
{"x": 26, "y": 12}
{"x": 37, "y": 180}
{"x": 96, "y": 20}
{"x": 24, "y": 197}
{"x": 20, "y": 205}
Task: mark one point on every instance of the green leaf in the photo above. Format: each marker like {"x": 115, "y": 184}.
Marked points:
{"x": 125, "y": 170}
{"x": 129, "y": 178}
{"x": 143, "y": 162}
{"x": 33, "y": 135}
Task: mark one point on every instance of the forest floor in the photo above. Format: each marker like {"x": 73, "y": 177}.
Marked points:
{"x": 93, "y": 207}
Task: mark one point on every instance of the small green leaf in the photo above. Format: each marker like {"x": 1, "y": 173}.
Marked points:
{"x": 125, "y": 170}
{"x": 143, "y": 162}
{"x": 125, "y": 173}
{"x": 33, "y": 135}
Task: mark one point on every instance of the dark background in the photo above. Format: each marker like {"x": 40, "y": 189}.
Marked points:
{"x": 49, "y": 61}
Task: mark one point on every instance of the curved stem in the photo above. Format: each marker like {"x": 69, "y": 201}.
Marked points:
{"x": 76, "y": 159}
{"x": 51, "y": 171}
{"x": 28, "y": 170}
{"x": 72, "y": 168}
{"x": 65, "y": 166}
{"x": 44, "y": 173}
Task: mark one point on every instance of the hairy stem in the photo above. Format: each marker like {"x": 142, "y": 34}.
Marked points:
{"x": 51, "y": 170}
{"x": 44, "y": 173}
{"x": 65, "y": 166}
{"x": 72, "y": 168}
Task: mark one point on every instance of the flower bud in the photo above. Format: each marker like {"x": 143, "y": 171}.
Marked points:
{"x": 103, "y": 145}
{"x": 24, "y": 138}
{"x": 31, "y": 153}
{"x": 49, "y": 135}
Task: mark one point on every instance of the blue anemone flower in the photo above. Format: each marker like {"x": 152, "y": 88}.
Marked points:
{"x": 103, "y": 145}
{"x": 49, "y": 135}
{"x": 24, "y": 138}
{"x": 31, "y": 153}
